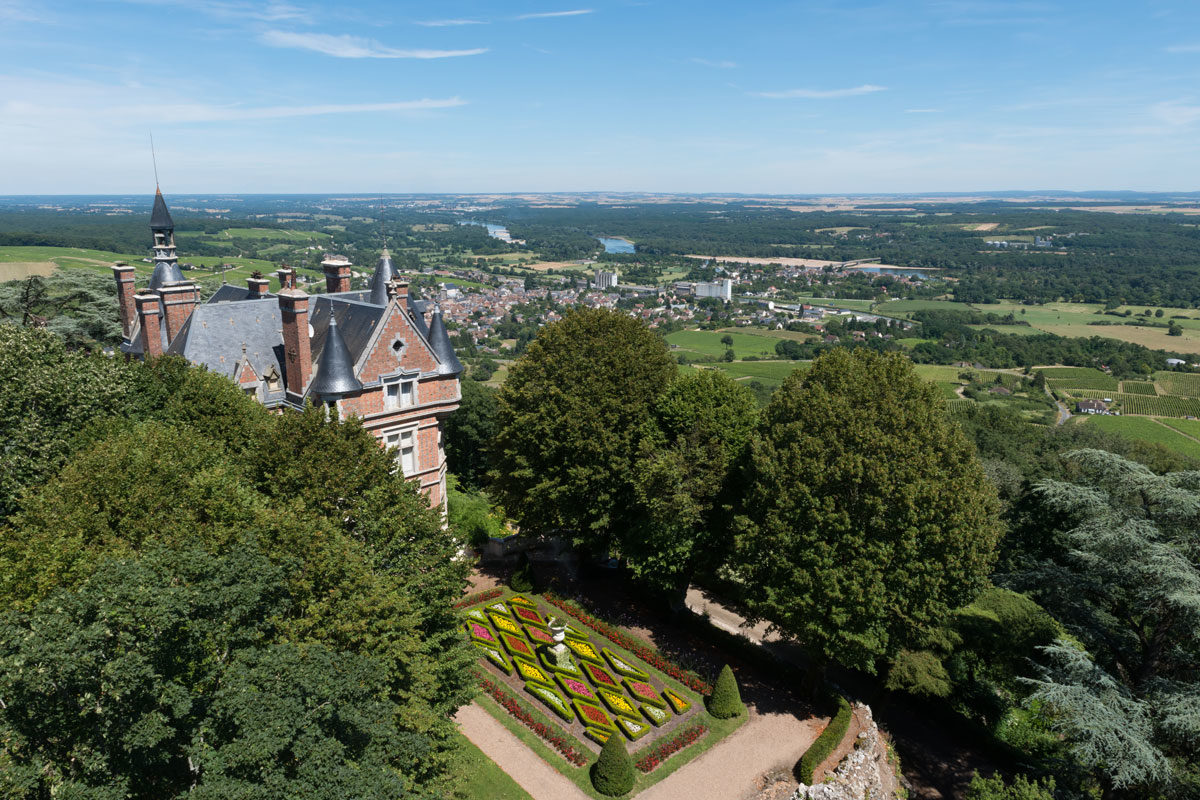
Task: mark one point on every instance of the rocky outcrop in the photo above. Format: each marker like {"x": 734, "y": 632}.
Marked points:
{"x": 866, "y": 773}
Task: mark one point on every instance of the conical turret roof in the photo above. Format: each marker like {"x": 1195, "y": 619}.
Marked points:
{"x": 335, "y": 368}
{"x": 384, "y": 274}
{"x": 165, "y": 272}
{"x": 439, "y": 340}
{"x": 160, "y": 217}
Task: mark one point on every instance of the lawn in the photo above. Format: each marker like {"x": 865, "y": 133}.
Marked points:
{"x": 708, "y": 343}
{"x": 482, "y": 778}
{"x": 901, "y": 307}
{"x": 1148, "y": 430}
{"x": 541, "y": 711}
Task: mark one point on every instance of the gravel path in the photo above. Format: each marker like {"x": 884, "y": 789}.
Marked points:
{"x": 513, "y": 756}
{"x": 729, "y": 771}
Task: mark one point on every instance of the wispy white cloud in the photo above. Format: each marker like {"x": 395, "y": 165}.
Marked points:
{"x": 717, "y": 64}
{"x": 21, "y": 11}
{"x": 1176, "y": 114}
{"x": 821, "y": 94}
{"x": 236, "y": 9}
{"x": 346, "y": 46}
{"x": 449, "y": 23}
{"x": 547, "y": 14}
{"x": 922, "y": 111}
{"x": 1184, "y": 48}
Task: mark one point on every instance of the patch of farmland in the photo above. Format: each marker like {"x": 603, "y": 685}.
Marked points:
{"x": 1189, "y": 427}
{"x": 1079, "y": 378}
{"x": 1181, "y": 383}
{"x": 1147, "y": 430}
{"x": 1143, "y": 405}
{"x": 1138, "y": 387}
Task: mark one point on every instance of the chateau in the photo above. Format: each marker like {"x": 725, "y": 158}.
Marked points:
{"x": 374, "y": 354}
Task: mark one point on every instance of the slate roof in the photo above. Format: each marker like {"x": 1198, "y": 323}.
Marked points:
{"x": 439, "y": 340}
{"x": 230, "y": 293}
{"x": 214, "y": 334}
{"x": 165, "y": 272}
{"x": 384, "y": 274}
{"x": 160, "y": 217}
{"x": 333, "y": 371}
{"x": 356, "y": 323}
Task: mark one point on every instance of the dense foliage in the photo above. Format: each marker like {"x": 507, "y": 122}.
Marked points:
{"x": 865, "y": 516}
{"x": 332, "y": 602}
{"x": 570, "y": 418}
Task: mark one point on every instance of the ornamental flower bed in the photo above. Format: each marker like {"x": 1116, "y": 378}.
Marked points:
{"x": 595, "y": 690}
{"x": 478, "y": 597}
{"x": 661, "y": 751}
{"x": 552, "y": 735}
{"x": 638, "y": 648}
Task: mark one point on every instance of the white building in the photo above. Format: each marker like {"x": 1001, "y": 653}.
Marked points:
{"x": 722, "y": 289}
{"x": 605, "y": 280}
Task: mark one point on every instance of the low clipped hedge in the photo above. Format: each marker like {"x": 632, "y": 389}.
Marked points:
{"x": 827, "y": 742}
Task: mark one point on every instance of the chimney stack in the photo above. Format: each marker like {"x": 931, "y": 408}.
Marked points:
{"x": 125, "y": 278}
{"x": 293, "y": 308}
{"x": 337, "y": 274}
{"x": 258, "y": 287}
{"x": 287, "y": 277}
{"x": 178, "y": 302}
{"x": 148, "y": 313}
{"x": 397, "y": 289}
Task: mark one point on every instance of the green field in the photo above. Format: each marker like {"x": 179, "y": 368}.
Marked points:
{"x": 708, "y": 343}
{"x": 768, "y": 372}
{"x": 901, "y": 307}
{"x": 1147, "y": 430}
{"x": 1138, "y": 387}
{"x": 1079, "y": 378}
{"x": 1191, "y": 427}
{"x": 101, "y": 261}
{"x": 482, "y": 778}
{"x": 1180, "y": 383}
{"x": 270, "y": 233}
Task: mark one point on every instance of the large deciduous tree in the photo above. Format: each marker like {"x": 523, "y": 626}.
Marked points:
{"x": 570, "y": 416}
{"x": 865, "y": 517}
{"x": 697, "y": 429}
{"x": 1127, "y": 586}
{"x": 469, "y": 433}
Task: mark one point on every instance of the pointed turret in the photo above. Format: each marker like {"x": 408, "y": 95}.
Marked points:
{"x": 384, "y": 274}
{"x": 439, "y": 340}
{"x": 160, "y": 217}
{"x": 335, "y": 368}
{"x": 166, "y": 263}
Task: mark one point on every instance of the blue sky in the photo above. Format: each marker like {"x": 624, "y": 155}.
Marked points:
{"x": 573, "y": 95}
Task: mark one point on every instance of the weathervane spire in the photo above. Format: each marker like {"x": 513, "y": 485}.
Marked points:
{"x": 154, "y": 161}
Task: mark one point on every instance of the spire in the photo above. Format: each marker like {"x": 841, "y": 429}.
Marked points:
{"x": 384, "y": 273}
{"x": 335, "y": 368}
{"x": 166, "y": 263}
{"x": 160, "y": 217}
{"x": 439, "y": 340}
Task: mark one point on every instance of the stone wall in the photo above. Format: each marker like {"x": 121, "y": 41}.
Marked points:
{"x": 864, "y": 774}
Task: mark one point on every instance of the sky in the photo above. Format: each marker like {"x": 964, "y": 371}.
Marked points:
{"x": 756, "y": 97}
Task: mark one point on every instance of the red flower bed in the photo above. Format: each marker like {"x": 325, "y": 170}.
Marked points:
{"x": 478, "y": 597}
{"x": 666, "y": 748}
{"x": 638, "y": 648}
{"x": 552, "y": 735}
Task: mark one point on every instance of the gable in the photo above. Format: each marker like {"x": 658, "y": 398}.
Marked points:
{"x": 380, "y": 356}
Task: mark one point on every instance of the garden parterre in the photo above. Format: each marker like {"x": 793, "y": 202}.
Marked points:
{"x": 596, "y": 691}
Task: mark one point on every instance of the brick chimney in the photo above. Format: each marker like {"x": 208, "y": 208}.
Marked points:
{"x": 293, "y": 308}
{"x": 397, "y": 289}
{"x": 337, "y": 274}
{"x": 125, "y": 278}
{"x": 287, "y": 277}
{"x": 178, "y": 301}
{"x": 148, "y": 313}
{"x": 258, "y": 287}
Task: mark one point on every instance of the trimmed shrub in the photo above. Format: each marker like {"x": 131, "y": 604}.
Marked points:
{"x": 725, "y": 701}
{"x": 613, "y": 774}
{"x": 522, "y": 579}
{"x": 827, "y": 742}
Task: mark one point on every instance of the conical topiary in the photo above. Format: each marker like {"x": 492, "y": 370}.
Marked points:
{"x": 726, "y": 700}
{"x": 613, "y": 774}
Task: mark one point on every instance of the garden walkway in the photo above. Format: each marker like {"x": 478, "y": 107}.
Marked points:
{"x": 513, "y": 756}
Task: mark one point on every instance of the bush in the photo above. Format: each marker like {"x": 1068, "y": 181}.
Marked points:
{"x": 613, "y": 774}
{"x": 725, "y": 701}
{"x": 1021, "y": 788}
{"x": 522, "y": 579}
{"x": 827, "y": 742}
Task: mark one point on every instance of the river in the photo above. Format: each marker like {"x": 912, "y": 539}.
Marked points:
{"x": 614, "y": 244}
